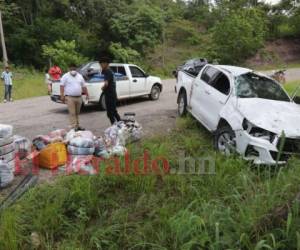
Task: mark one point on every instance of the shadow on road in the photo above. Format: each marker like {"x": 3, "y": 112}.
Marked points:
{"x": 96, "y": 108}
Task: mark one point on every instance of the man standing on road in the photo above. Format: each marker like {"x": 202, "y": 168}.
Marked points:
{"x": 109, "y": 90}
{"x": 7, "y": 78}
{"x": 71, "y": 88}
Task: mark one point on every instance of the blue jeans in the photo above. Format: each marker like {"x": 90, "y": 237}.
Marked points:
{"x": 7, "y": 95}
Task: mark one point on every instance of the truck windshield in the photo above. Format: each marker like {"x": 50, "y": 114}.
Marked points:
{"x": 251, "y": 85}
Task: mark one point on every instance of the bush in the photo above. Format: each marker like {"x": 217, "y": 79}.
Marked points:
{"x": 63, "y": 53}
{"x": 124, "y": 55}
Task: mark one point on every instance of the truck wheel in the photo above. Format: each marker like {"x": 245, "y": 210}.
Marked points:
{"x": 225, "y": 140}
{"x": 182, "y": 104}
{"x": 102, "y": 102}
{"x": 155, "y": 93}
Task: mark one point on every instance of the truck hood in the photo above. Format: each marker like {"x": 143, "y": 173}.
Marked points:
{"x": 274, "y": 116}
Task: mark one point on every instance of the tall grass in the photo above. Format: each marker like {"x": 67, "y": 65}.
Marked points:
{"x": 26, "y": 83}
{"x": 225, "y": 210}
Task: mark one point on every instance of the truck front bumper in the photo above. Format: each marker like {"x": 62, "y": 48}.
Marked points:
{"x": 258, "y": 150}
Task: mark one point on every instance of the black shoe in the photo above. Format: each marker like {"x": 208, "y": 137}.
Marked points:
{"x": 79, "y": 129}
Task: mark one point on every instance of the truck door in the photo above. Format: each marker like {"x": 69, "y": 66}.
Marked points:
{"x": 122, "y": 81}
{"x": 137, "y": 81}
{"x": 216, "y": 89}
{"x": 198, "y": 95}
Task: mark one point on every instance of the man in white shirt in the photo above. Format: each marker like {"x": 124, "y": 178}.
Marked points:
{"x": 71, "y": 88}
{"x": 7, "y": 78}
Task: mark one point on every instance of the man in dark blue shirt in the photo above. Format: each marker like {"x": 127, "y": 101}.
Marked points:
{"x": 109, "y": 90}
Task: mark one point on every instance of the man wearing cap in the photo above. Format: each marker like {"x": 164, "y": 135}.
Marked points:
{"x": 109, "y": 90}
{"x": 7, "y": 78}
{"x": 71, "y": 88}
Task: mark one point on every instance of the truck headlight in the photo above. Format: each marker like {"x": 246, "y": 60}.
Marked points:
{"x": 257, "y": 131}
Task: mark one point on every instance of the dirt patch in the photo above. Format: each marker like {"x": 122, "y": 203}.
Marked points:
{"x": 281, "y": 51}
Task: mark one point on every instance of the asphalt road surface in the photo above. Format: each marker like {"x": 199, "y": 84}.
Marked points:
{"x": 35, "y": 116}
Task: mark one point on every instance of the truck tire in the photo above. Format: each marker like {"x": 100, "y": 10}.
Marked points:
{"x": 155, "y": 93}
{"x": 102, "y": 102}
{"x": 182, "y": 104}
{"x": 225, "y": 140}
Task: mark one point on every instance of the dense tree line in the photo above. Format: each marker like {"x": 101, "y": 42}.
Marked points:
{"x": 131, "y": 29}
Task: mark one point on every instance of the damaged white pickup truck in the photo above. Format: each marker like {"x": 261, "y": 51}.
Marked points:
{"x": 248, "y": 113}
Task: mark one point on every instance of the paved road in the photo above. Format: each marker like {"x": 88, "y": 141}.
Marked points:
{"x": 39, "y": 115}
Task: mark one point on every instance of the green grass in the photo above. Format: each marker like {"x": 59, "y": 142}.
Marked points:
{"x": 292, "y": 86}
{"x": 26, "y": 84}
{"x": 225, "y": 210}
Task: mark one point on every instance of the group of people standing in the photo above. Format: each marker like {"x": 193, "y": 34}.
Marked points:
{"x": 73, "y": 86}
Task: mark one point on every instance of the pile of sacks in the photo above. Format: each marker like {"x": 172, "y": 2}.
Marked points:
{"x": 11, "y": 147}
{"x": 7, "y": 155}
{"x": 81, "y": 148}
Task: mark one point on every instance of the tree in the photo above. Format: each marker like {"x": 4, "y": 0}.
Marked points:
{"x": 63, "y": 53}
{"x": 124, "y": 55}
{"x": 239, "y": 35}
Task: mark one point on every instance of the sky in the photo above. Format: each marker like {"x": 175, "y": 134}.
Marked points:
{"x": 272, "y": 1}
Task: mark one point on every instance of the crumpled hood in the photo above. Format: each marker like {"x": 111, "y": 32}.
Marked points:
{"x": 274, "y": 116}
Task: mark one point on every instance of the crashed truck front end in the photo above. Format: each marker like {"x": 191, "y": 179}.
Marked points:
{"x": 264, "y": 147}
{"x": 264, "y": 119}
{"x": 257, "y": 144}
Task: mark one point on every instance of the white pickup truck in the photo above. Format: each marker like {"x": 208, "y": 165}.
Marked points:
{"x": 131, "y": 81}
{"x": 248, "y": 113}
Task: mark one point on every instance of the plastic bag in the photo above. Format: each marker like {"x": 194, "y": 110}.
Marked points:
{"x": 100, "y": 147}
{"x": 8, "y": 157}
{"x": 111, "y": 136}
{"x": 6, "y": 141}
{"x": 123, "y": 134}
{"x": 22, "y": 146}
{"x": 6, "y": 174}
{"x": 70, "y": 135}
{"x": 7, "y": 149}
{"x": 80, "y": 151}
{"x": 118, "y": 150}
{"x": 6, "y": 131}
{"x": 82, "y": 142}
{"x": 81, "y": 164}
{"x": 85, "y": 134}
{"x": 12, "y": 165}
{"x": 104, "y": 154}
{"x": 134, "y": 129}
{"x": 61, "y": 133}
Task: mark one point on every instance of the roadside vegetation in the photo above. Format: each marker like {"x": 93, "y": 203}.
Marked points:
{"x": 238, "y": 206}
{"x": 158, "y": 35}
{"x": 27, "y": 83}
